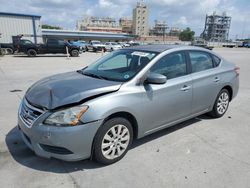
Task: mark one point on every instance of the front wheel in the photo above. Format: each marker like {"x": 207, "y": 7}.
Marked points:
{"x": 221, "y": 104}
{"x": 31, "y": 53}
{"x": 113, "y": 140}
{"x": 74, "y": 53}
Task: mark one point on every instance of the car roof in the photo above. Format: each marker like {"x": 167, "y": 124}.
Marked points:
{"x": 161, "y": 47}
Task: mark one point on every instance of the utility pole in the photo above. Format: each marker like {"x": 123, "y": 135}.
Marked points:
{"x": 0, "y": 44}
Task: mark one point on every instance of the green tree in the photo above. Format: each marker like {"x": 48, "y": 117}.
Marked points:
{"x": 187, "y": 35}
{"x": 45, "y": 26}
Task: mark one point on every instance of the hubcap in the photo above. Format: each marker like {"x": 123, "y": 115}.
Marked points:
{"x": 115, "y": 141}
{"x": 222, "y": 103}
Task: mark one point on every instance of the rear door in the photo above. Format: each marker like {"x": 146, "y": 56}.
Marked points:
{"x": 206, "y": 80}
{"x": 55, "y": 46}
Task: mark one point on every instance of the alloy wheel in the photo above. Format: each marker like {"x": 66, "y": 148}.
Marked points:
{"x": 222, "y": 103}
{"x": 115, "y": 141}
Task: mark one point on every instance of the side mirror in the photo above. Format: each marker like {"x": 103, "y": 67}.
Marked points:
{"x": 154, "y": 78}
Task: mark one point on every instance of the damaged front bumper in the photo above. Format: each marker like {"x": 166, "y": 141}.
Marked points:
{"x": 66, "y": 143}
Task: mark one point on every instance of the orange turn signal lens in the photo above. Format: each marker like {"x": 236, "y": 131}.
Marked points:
{"x": 79, "y": 115}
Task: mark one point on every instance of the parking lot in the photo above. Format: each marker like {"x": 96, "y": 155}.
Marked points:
{"x": 201, "y": 152}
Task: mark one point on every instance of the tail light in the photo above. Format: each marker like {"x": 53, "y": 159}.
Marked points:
{"x": 237, "y": 70}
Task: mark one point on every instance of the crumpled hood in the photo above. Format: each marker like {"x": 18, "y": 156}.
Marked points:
{"x": 67, "y": 88}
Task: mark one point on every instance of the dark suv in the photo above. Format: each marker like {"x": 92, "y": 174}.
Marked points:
{"x": 54, "y": 46}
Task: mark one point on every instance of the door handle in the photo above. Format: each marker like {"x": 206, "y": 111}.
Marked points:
{"x": 216, "y": 79}
{"x": 185, "y": 88}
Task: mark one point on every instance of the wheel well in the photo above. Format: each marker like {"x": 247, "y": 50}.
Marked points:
{"x": 74, "y": 49}
{"x": 230, "y": 90}
{"x": 127, "y": 116}
{"x": 31, "y": 49}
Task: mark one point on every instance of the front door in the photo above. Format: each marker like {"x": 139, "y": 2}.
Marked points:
{"x": 171, "y": 101}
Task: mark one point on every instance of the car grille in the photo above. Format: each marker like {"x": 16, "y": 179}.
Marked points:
{"x": 29, "y": 114}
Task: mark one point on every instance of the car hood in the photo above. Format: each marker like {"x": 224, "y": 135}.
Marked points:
{"x": 66, "y": 89}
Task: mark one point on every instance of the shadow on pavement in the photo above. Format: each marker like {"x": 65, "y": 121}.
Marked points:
{"x": 23, "y": 155}
{"x": 25, "y": 56}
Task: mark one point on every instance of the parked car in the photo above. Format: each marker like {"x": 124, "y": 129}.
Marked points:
{"x": 95, "y": 46}
{"x": 201, "y": 43}
{"x": 54, "y": 46}
{"x": 246, "y": 44}
{"x": 81, "y": 44}
{"x": 130, "y": 93}
{"x": 134, "y": 44}
{"x": 124, "y": 44}
{"x": 111, "y": 46}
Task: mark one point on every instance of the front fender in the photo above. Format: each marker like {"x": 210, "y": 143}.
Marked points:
{"x": 104, "y": 106}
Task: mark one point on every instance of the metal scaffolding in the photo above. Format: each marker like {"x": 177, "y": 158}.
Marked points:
{"x": 216, "y": 28}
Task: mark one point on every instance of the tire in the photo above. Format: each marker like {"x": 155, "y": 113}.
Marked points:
{"x": 31, "y": 52}
{"x": 9, "y": 51}
{"x": 108, "y": 144}
{"x": 74, "y": 53}
{"x": 221, "y": 104}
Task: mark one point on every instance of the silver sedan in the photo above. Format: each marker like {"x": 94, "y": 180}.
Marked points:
{"x": 130, "y": 93}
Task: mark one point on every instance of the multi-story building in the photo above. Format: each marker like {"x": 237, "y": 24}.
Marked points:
{"x": 105, "y": 24}
{"x": 126, "y": 25}
{"x": 174, "y": 31}
{"x": 159, "y": 29}
{"x": 216, "y": 27}
{"x": 140, "y": 19}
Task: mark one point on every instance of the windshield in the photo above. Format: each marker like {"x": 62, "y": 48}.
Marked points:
{"x": 121, "y": 65}
{"x": 26, "y": 42}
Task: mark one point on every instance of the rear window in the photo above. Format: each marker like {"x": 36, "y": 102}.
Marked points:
{"x": 217, "y": 60}
{"x": 200, "y": 61}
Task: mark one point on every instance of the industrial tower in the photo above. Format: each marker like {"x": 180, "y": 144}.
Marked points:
{"x": 216, "y": 27}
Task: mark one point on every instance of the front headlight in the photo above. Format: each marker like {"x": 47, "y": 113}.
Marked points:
{"x": 67, "y": 117}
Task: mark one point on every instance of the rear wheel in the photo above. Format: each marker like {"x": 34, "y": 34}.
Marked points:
{"x": 221, "y": 104}
{"x": 113, "y": 140}
{"x": 9, "y": 51}
{"x": 74, "y": 53}
{"x": 31, "y": 53}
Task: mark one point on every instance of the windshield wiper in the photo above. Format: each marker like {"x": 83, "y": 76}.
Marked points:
{"x": 94, "y": 75}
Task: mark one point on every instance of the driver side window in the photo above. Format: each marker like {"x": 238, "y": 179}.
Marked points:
{"x": 172, "y": 65}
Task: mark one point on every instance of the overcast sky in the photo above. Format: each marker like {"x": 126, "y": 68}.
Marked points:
{"x": 180, "y": 13}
